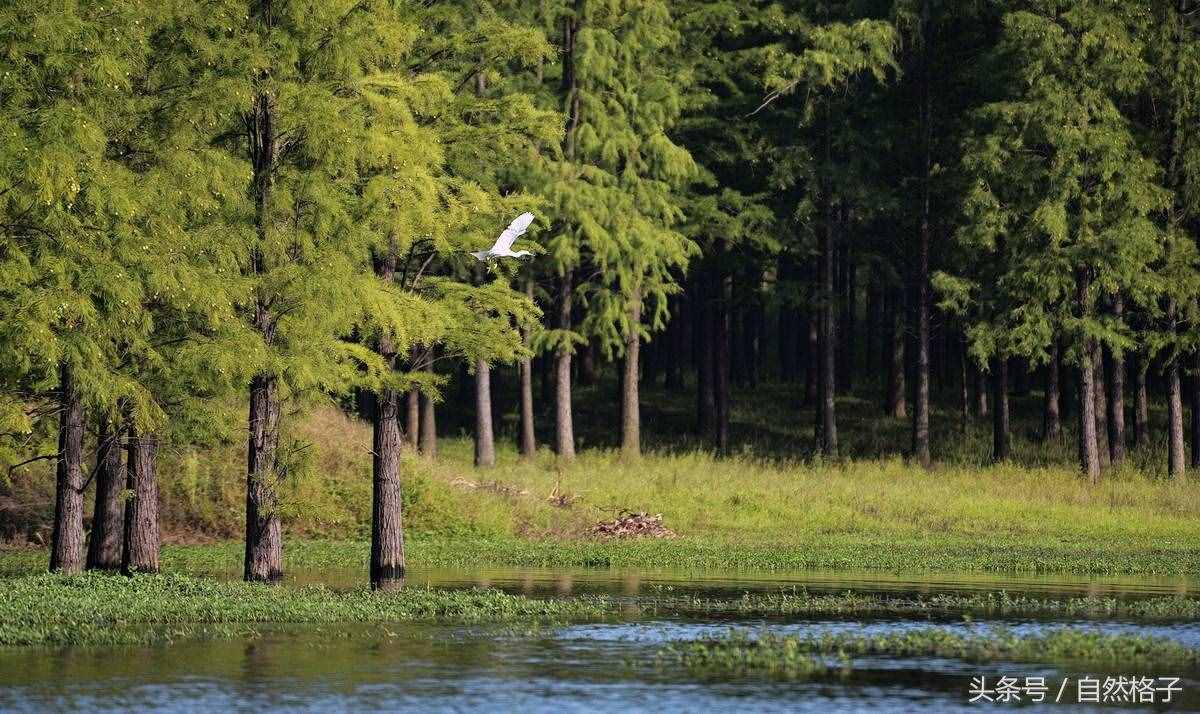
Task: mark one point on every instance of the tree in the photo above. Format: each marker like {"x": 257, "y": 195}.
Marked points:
{"x": 1063, "y": 196}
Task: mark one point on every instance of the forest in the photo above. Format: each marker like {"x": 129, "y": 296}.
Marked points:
{"x": 818, "y": 232}
{"x": 860, "y": 312}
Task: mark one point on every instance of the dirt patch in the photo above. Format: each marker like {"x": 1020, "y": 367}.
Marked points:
{"x": 502, "y": 489}
{"x": 633, "y": 525}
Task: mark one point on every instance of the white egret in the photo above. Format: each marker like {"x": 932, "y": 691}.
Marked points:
{"x": 503, "y": 247}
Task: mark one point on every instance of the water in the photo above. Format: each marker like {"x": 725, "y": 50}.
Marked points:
{"x": 609, "y": 666}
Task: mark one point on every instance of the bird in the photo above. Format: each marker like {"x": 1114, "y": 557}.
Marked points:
{"x": 503, "y": 246}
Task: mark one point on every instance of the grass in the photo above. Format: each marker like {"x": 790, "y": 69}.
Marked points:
{"x": 765, "y": 507}
{"x": 794, "y": 657}
{"x": 97, "y": 609}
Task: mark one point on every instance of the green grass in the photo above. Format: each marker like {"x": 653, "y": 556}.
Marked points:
{"x": 108, "y": 609}
{"x": 803, "y": 657}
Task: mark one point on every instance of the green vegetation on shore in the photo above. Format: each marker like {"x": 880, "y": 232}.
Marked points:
{"x": 802, "y": 657}
{"x": 98, "y": 609}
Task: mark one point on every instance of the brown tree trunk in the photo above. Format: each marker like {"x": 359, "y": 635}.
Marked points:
{"x": 428, "y": 440}
{"x": 264, "y": 537}
{"x": 1089, "y": 448}
{"x": 264, "y": 532}
{"x": 108, "y": 517}
{"x": 66, "y": 540}
{"x": 1001, "y": 440}
{"x": 920, "y": 421}
{"x": 897, "y": 398}
{"x": 1051, "y": 417}
{"x": 631, "y": 436}
{"x": 964, "y": 384}
{"x": 387, "y": 520}
{"x": 826, "y": 427}
{"x": 1195, "y": 404}
{"x": 528, "y": 437}
{"x": 1100, "y": 391}
{"x": 981, "y": 392}
{"x": 485, "y": 442}
{"x": 412, "y": 426}
{"x": 564, "y": 428}
{"x": 140, "y": 546}
{"x": 1114, "y": 366}
{"x": 1141, "y": 403}
{"x": 1175, "y": 452}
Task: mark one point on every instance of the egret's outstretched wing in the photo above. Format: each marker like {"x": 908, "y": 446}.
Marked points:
{"x": 515, "y": 230}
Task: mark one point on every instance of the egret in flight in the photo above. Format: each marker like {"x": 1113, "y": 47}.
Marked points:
{"x": 503, "y": 247}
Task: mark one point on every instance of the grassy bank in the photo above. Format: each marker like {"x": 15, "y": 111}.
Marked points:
{"x": 802, "y": 657}
{"x": 747, "y": 511}
{"x": 96, "y": 609}
{"x": 107, "y": 609}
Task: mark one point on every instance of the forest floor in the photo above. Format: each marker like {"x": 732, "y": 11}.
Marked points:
{"x": 767, "y": 506}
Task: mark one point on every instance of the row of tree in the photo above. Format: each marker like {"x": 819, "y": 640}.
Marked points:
{"x": 229, "y": 206}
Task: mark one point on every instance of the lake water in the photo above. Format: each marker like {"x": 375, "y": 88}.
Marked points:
{"x": 611, "y": 666}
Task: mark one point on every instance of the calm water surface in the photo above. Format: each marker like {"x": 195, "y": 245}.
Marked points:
{"x": 609, "y": 666}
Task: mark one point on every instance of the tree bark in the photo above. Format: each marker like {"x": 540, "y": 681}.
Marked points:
{"x": 528, "y": 437}
{"x": 1175, "y": 453}
{"x": 428, "y": 428}
{"x": 1051, "y": 416}
{"x": 631, "y": 436}
{"x": 108, "y": 517}
{"x": 386, "y": 568}
{"x": 66, "y": 540}
{"x": 1001, "y": 439}
{"x": 811, "y": 347}
{"x": 920, "y": 421}
{"x": 826, "y": 427}
{"x": 564, "y": 428}
{"x": 981, "y": 392}
{"x": 1114, "y": 366}
{"x": 1195, "y": 404}
{"x": 387, "y": 520}
{"x": 264, "y": 532}
{"x": 964, "y": 384}
{"x": 264, "y": 537}
{"x": 1141, "y": 403}
{"x": 139, "y": 552}
{"x": 412, "y": 427}
{"x": 1100, "y": 391}
{"x": 1089, "y": 448}
{"x": 485, "y": 441}
{"x": 706, "y": 392}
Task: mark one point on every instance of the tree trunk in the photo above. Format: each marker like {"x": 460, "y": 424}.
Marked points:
{"x": 1114, "y": 365}
{"x": 1051, "y": 417}
{"x": 849, "y": 326}
{"x": 631, "y": 436}
{"x": 1141, "y": 403}
{"x": 528, "y": 437}
{"x": 108, "y": 517}
{"x": 826, "y": 428}
{"x": 1001, "y": 441}
{"x": 264, "y": 537}
{"x": 1175, "y": 454}
{"x": 264, "y": 532}
{"x": 1195, "y": 400}
{"x": 139, "y": 552}
{"x": 676, "y": 348}
{"x": 896, "y": 402}
{"x": 1100, "y": 391}
{"x": 564, "y": 428}
{"x": 412, "y": 427}
{"x": 964, "y": 384}
{"x": 66, "y": 541}
{"x": 485, "y": 442}
{"x": 428, "y": 428}
{"x": 1089, "y": 448}
{"x": 387, "y": 520}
